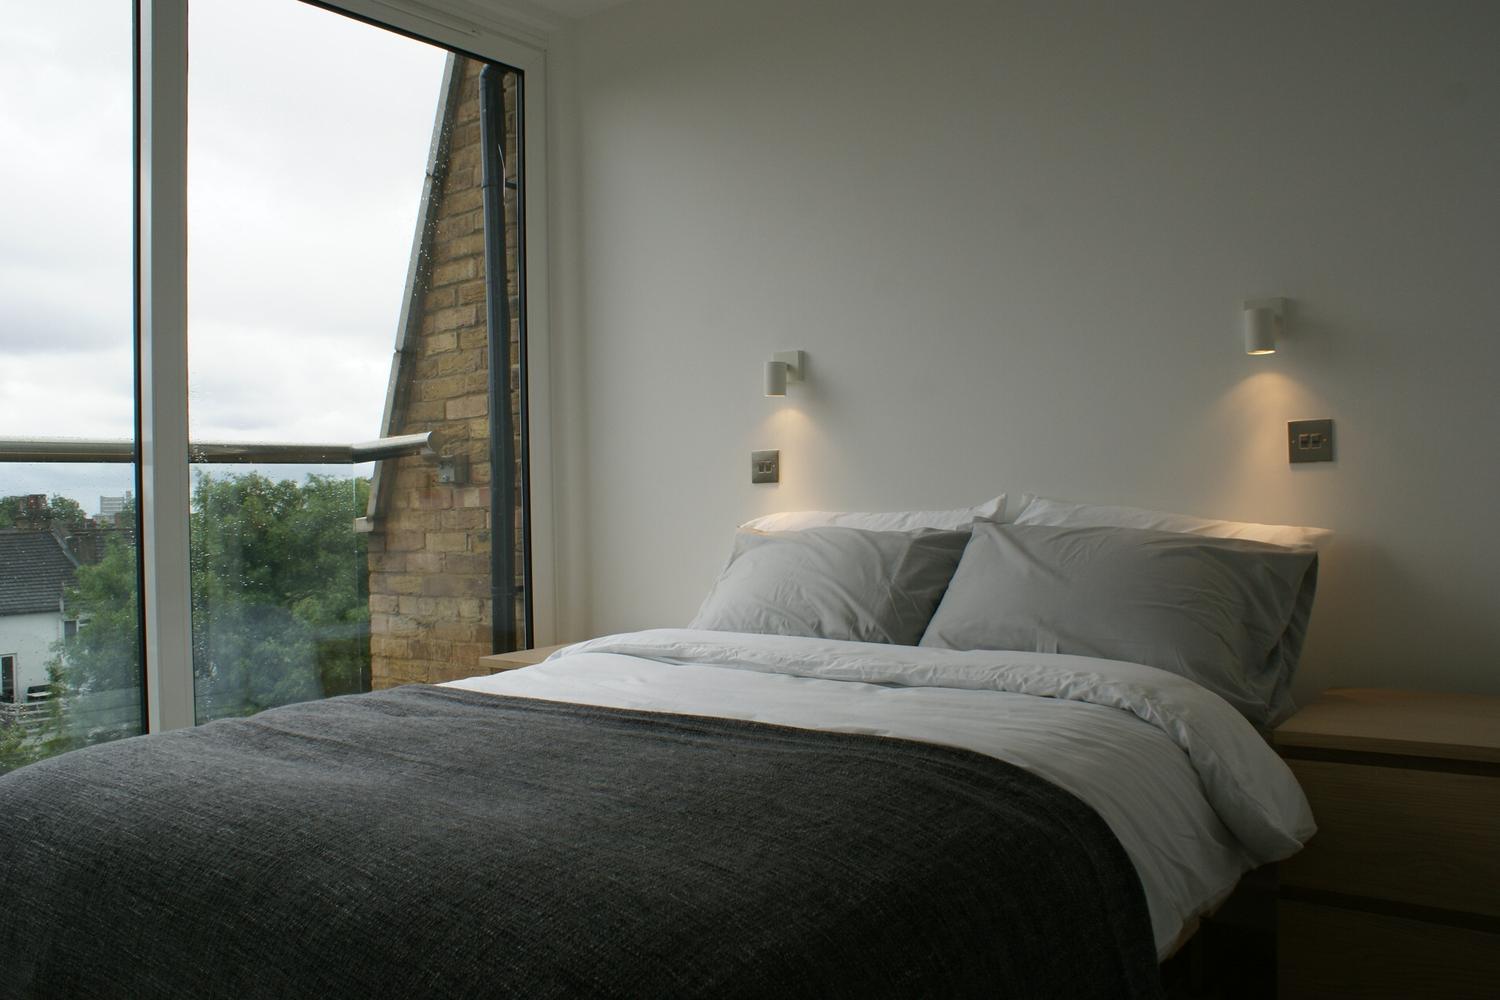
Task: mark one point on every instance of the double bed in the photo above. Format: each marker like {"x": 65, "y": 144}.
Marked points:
{"x": 673, "y": 812}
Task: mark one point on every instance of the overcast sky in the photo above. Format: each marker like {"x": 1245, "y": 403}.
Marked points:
{"x": 308, "y": 137}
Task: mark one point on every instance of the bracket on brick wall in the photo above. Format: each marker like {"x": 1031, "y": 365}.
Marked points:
{"x": 453, "y": 471}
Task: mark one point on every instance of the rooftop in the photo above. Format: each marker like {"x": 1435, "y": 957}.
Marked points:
{"x": 34, "y": 568}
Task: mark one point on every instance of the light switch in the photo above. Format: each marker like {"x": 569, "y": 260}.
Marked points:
{"x": 765, "y": 466}
{"x": 1310, "y": 441}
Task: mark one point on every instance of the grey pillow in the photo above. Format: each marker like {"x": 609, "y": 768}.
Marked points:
{"x": 833, "y": 583}
{"x": 1228, "y": 613}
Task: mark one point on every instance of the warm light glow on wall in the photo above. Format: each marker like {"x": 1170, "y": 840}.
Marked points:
{"x": 790, "y": 430}
{"x": 1254, "y": 479}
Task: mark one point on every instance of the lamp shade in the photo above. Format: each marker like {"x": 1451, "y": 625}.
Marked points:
{"x": 775, "y": 378}
{"x": 1261, "y": 326}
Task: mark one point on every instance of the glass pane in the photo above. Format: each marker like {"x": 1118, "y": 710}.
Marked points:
{"x": 70, "y": 667}
{"x": 69, "y": 614}
{"x": 280, "y": 608}
{"x": 66, "y": 189}
{"x": 310, "y": 136}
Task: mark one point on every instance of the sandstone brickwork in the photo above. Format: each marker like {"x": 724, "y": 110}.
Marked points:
{"x": 429, "y": 562}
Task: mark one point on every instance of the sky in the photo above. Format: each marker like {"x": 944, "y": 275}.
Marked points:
{"x": 308, "y": 140}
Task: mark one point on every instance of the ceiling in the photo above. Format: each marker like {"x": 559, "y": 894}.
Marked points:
{"x": 537, "y": 14}
{"x": 568, "y": 9}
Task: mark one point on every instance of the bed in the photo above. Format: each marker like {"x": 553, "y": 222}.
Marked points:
{"x": 671, "y": 812}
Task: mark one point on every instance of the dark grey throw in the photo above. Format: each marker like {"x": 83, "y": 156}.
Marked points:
{"x": 429, "y": 842}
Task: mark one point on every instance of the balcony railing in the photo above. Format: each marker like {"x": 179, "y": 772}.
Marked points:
{"x": 219, "y": 452}
{"x": 27, "y": 715}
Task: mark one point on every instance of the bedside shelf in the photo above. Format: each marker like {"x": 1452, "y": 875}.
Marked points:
{"x": 1462, "y": 727}
{"x": 497, "y": 662}
{"x": 1398, "y": 894}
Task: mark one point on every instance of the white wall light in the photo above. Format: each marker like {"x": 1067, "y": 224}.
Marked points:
{"x": 1262, "y": 322}
{"x": 784, "y": 367}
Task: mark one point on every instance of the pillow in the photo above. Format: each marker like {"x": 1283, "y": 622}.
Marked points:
{"x": 1228, "y": 613}
{"x": 833, "y": 583}
{"x": 900, "y": 520}
{"x": 1041, "y": 510}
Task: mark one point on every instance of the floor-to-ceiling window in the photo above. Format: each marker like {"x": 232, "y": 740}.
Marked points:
{"x": 68, "y": 539}
{"x": 355, "y": 262}
{"x": 307, "y": 150}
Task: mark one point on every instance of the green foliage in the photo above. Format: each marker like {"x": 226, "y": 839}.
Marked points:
{"x": 105, "y": 655}
{"x": 12, "y": 510}
{"x": 45, "y": 736}
{"x": 280, "y": 610}
{"x": 66, "y": 511}
{"x": 15, "y": 748}
{"x": 280, "y": 613}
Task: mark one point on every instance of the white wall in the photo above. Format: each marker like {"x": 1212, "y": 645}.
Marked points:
{"x": 30, "y": 638}
{"x": 1014, "y": 239}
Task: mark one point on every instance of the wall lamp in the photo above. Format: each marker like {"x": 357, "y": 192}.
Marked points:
{"x": 1262, "y": 321}
{"x": 784, "y": 367}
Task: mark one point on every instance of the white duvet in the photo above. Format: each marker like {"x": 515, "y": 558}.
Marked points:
{"x": 1191, "y": 790}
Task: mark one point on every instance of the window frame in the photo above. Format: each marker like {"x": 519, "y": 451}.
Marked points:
{"x": 163, "y": 486}
{"x": 9, "y": 663}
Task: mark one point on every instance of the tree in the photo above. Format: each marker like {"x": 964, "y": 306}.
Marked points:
{"x": 67, "y": 512}
{"x": 12, "y": 511}
{"x": 105, "y": 654}
{"x": 280, "y": 609}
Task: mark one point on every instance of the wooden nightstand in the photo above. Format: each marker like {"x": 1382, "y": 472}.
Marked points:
{"x": 497, "y": 662}
{"x": 1398, "y": 894}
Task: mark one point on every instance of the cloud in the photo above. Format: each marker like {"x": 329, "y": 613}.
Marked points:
{"x": 79, "y": 308}
{"x": 313, "y": 390}
{"x": 65, "y": 179}
{"x": 307, "y": 162}
{"x": 68, "y": 394}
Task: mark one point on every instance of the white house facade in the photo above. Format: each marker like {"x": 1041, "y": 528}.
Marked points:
{"x": 35, "y": 569}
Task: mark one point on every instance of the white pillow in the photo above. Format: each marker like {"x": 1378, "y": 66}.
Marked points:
{"x": 1060, "y": 513}
{"x": 899, "y": 520}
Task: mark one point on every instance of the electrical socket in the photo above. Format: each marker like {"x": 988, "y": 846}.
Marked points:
{"x": 765, "y": 466}
{"x": 1309, "y": 441}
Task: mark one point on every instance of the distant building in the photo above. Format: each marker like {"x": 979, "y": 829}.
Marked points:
{"x": 110, "y": 506}
{"x": 35, "y": 569}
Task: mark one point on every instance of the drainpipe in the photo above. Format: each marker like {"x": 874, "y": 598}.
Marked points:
{"x": 504, "y": 636}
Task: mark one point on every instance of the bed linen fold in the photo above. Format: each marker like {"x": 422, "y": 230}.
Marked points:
{"x": 1248, "y": 785}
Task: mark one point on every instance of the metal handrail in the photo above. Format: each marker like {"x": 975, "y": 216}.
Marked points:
{"x": 220, "y": 452}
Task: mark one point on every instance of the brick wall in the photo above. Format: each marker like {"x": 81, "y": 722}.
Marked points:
{"x": 429, "y": 563}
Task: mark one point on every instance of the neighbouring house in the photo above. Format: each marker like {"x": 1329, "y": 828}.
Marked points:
{"x": 36, "y": 569}
{"x": 430, "y": 559}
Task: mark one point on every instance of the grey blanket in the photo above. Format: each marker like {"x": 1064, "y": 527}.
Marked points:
{"x": 429, "y": 842}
